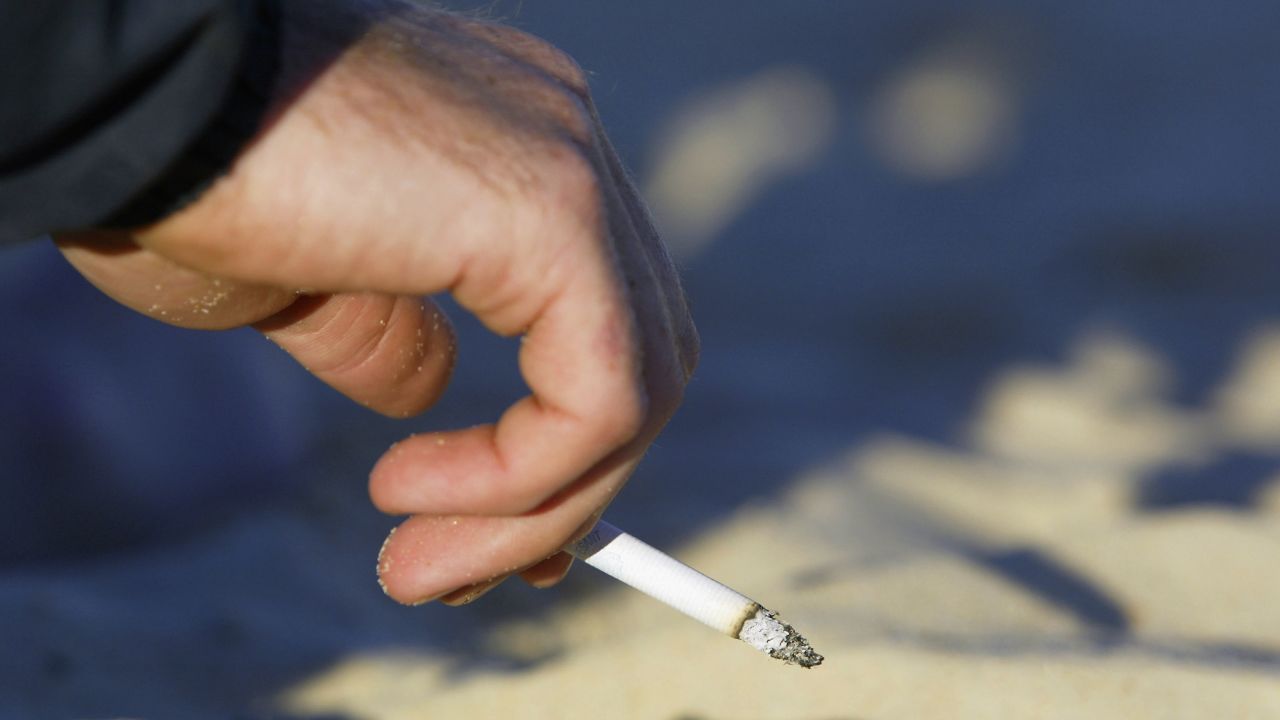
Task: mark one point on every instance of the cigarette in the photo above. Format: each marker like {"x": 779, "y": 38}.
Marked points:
{"x": 664, "y": 578}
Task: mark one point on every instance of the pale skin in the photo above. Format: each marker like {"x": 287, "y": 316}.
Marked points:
{"x": 435, "y": 154}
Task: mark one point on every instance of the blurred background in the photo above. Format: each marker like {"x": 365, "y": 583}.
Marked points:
{"x": 989, "y": 403}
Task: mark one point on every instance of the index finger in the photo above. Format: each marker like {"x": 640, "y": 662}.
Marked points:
{"x": 582, "y": 362}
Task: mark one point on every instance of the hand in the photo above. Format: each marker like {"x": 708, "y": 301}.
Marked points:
{"x": 437, "y": 154}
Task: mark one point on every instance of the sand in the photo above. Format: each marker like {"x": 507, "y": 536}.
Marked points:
{"x": 928, "y": 636}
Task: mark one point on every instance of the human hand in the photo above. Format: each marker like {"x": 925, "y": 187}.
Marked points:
{"x": 436, "y": 154}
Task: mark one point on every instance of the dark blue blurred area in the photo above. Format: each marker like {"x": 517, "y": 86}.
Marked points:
{"x": 114, "y": 429}
{"x": 1131, "y": 183}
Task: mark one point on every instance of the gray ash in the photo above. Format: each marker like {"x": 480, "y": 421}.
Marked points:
{"x": 766, "y": 633}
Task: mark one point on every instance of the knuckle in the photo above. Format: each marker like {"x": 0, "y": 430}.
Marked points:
{"x": 544, "y": 56}
{"x": 571, "y": 192}
{"x": 496, "y": 289}
{"x": 571, "y": 116}
{"x": 577, "y": 180}
{"x": 621, "y": 417}
{"x": 561, "y": 66}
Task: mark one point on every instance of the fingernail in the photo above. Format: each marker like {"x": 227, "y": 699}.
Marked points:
{"x": 384, "y": 563}
{"x": 425, "y": 600}
{"x": 470, "y": 593}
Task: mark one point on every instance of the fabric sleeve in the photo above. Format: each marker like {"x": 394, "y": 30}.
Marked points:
{"x": 115, "y": 112}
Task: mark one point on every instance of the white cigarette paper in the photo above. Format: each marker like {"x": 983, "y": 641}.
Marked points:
{"x": 664, "y": 578}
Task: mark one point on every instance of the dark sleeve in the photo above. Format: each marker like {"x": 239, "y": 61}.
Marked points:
{"x": 115, "y": 112}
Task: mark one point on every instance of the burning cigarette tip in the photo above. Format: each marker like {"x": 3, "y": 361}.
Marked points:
{"x": 768, "y": 634}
